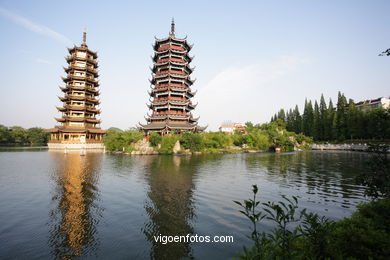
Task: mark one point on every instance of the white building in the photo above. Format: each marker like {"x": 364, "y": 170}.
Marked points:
{"x": 374, "y": 103}
{"x": 230, "y": 128}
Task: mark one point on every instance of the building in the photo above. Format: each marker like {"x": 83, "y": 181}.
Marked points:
{"x": 374, "y": 103}
{"x": 79, "y": 125}
{"x": 170, "y": 94}
{"x": 231, "y": 128}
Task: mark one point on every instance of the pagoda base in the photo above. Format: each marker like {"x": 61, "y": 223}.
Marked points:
{"x": 70, "y": 146}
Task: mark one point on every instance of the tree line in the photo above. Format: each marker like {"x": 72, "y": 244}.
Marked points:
{"x": 326, "y": 122}
{"x": 20, "y": 136}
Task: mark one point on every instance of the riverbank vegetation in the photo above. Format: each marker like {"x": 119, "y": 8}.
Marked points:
{"x": 304, "y": 235}
{"x": 260, "y": 137}
{"x": 17, "y": 135}
{"x": 326, "y": 122}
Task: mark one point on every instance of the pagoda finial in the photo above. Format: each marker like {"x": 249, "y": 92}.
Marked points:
{"x": 84, "y": 37}
{"x": 172, "y": 27}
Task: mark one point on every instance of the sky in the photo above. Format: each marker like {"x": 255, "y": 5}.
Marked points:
{"x": 252, "y": 58}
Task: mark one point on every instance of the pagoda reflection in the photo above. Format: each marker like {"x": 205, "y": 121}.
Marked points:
{"x": 76, "y": 214}
{"x": 171, "y": 205}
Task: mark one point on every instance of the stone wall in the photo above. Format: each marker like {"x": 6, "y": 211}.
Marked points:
{"x": 346, "y": 147}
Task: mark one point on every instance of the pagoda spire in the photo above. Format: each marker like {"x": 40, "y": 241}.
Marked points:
{"x": 84, "y": 38}
{"x": 172, "y": 33}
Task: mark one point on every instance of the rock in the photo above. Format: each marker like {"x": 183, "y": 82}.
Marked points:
{"x": 176, "y": 148}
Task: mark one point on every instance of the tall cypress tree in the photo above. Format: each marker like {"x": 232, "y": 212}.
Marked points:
{"x": 341, "y": 117}
{"x": 316, "y": 122}
{"x": 328, "y": 132}
{"x": 297, "y": 120}
{"x": 323, "y": 118}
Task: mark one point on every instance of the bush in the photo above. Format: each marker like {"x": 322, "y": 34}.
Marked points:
{"x": 167, "y": 143}
{"x": 118, "y": 141}
{"x": 192, "y": 141}
{"x": 155, "y": 139}
{"x": 365, "y": 235}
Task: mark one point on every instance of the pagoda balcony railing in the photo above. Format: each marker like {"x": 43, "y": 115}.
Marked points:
{"x": 80, "y": 108}
{"x": 88, "y": 68}
{"x": 171, "y": 72}
{"x": 170, "y": 59}
{"x": 81, "y": 97}
{"x": 169, "y": 46}
{"x": 83, "y": 87}
{"x": 76, "y": 77}
{"x": 162, "y": 85}
{"x": 170, "y": 98}
{"x": 75, "y": 57}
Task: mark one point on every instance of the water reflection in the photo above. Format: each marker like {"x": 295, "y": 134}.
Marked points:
{"x": 170, "y": 206}
{"x": 75, "y": 214}
{"x": 327, "y": 175}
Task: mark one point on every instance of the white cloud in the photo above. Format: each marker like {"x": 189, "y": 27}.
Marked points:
{"x": 34, "y": 27}
{"x": 248, "y": 93}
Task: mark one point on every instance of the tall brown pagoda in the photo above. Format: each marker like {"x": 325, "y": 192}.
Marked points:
{"x": 79, "y": 127}
{"x": 170, "y": 95}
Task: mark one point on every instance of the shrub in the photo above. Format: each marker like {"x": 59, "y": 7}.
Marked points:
{"x": 192, "y": 141}
{"x": 167, "y": 143}
{"x": 155, "y": 139}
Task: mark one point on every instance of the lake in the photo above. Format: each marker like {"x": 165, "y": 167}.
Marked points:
{"x": 56, "y": 205}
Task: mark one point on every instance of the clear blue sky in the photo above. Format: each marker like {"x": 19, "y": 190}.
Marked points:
{"x": 252, "y": 57}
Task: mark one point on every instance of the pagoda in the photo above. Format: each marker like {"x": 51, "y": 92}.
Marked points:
{"x": 170, "y": 94}
{"x": 79, "y": 127}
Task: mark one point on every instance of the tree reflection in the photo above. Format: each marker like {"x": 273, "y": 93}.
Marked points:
{"x": 75, "y": 216}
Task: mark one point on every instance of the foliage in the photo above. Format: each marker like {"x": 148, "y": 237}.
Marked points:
{"x": 36, "y": 135}
{"x": 121, "y": 140}
{"x": 155, "y": 139}
{"x": 19, "y": 135}
{"x": 378, "y": 179}
{"x": 191, "y": 141}
{"x": 345, "y": 121}
{"x": 365, "y": 235}
{"x": 167, "y": 143}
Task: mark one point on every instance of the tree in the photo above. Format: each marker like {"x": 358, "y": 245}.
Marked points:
{"x": 323, "y": 118}
{"x": 297, "y": 120}
{"x": 18, "y": 135}
{"x": 341, "y": 117}
{"x": 36, "y": 135}
{"x": 316, "y": 122}
{"x": 308, "y": 118}
{"x": 4, "y": 134}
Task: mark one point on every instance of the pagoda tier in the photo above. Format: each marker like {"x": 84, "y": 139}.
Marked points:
{"x": 79, "y": 122}
{"x": 170, "y": 94}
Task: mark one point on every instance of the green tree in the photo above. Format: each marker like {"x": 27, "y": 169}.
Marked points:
{"x": 18, "y": 135}
{"x": 36, "y": 135}
{"x": 341, "y": 119}
{"x": 316, "y": 122}
{"x": 5, "y": 136}
{"x": 323, "y": 119}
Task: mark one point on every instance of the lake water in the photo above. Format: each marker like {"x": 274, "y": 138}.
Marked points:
{"x": 56, "y": 205}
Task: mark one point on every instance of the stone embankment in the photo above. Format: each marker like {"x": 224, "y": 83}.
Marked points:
{"x": 345, "y": 147}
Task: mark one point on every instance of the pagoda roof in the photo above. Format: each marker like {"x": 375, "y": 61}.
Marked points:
{"x": 74, "y": 97}
{"x": 76, "y": 130}
{"x": 95, "y": 72}
{"x": 168, "y": 91}
{"x": 79, "y": 108}
{"x": 70, "y": 77}
{"x": 82, "y": 48}
{"x": 78, "y": 119}
{"x": 169, "y": 64}
{"x": 169, "y": 125}
{"x": 173, "y": 39}
{"x": 83, "y": 88}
